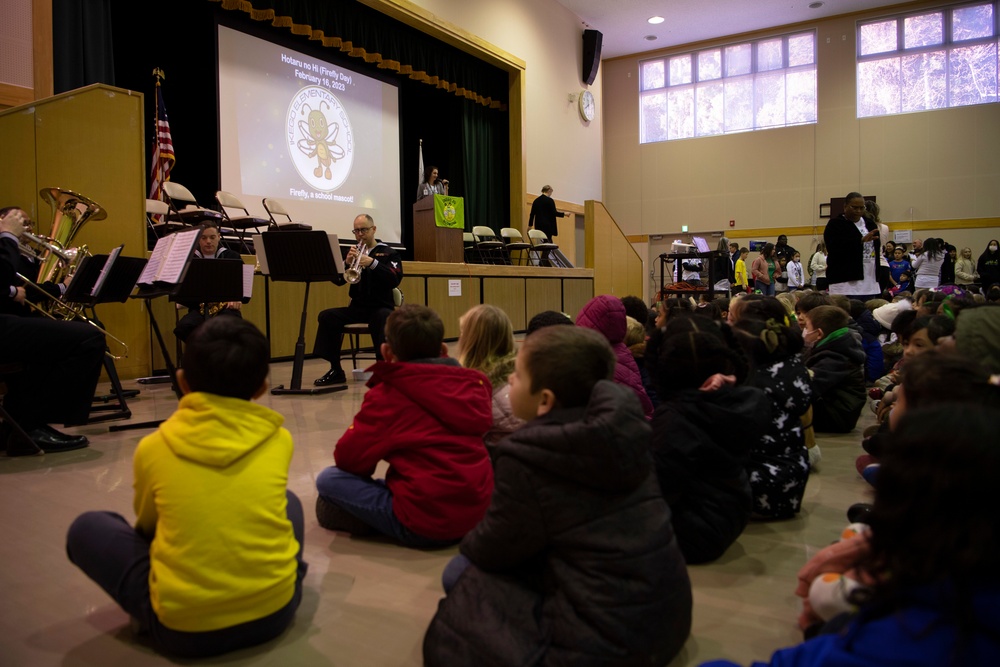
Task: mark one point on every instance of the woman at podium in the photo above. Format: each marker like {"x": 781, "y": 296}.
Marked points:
{"x": 431, "y": 184}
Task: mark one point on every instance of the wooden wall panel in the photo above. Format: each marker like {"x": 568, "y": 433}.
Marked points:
{"x": 542, "y": 294}
{"x": 508, "y": 294}
{"x": 576, "y": 294}
{"x": 450, "y": 308}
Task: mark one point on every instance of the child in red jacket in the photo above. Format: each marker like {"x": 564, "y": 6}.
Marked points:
{"x": 426, "y": 416}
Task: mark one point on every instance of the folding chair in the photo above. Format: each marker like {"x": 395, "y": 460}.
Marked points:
{"x": 273, "y": 208}
{"x": 239, "y": 223}
{"x": 490, "y": 248}
{"x": 162, "y": 227}
{"x": 355, "y": 331}
{"x": 514, "y": 242}
{"x": 541, "y": 247}
{"x": 184, "y": 208}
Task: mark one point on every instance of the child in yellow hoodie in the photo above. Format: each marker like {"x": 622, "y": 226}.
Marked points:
{"x": 214, "y": 562}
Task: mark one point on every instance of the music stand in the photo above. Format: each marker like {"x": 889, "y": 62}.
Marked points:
{"x": 300, "y": 257}
{"x": 106, "y": 279}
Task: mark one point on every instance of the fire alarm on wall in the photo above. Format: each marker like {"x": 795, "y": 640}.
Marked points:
{"x": 732, "y": 223}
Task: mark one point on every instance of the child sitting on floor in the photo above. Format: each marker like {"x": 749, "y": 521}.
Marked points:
{"x": 835, "y": 361}
{"x": 486, "y": 344}
{"x": 935, "y": 543}
{"x": 426, "y": 416}
{"x": 700, "y": 461}
{"x": 575, "y": 561}
{"x": 214, "y": 563}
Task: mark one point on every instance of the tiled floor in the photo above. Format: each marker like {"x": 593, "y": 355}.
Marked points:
{"x": 366, "y": 602}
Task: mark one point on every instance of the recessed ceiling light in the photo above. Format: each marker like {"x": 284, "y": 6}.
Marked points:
{"x": 815, "y": 5}
{"x": 655, "y": 20}
{"x": 650, "y": 38}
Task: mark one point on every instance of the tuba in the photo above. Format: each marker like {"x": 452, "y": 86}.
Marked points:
{"x": 70, "y": 212}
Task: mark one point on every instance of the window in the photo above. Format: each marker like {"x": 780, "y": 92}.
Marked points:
{"x": 933, "y": 59}
{"x": 749, "y": 86}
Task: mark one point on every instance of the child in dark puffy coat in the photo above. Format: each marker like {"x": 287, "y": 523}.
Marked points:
{"x": 575, "y": 562}
{"x": 835, "y": 361}
{"x": 699, "y": 461}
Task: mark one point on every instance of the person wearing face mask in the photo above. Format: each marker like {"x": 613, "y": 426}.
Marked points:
{"x": 989, "y": 265}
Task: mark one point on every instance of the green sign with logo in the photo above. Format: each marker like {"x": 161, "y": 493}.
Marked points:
{"x": 449, "y": 212}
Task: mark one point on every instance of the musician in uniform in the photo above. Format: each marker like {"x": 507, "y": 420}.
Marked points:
{"x": 50, "y": 367}
{"x": 209, "y": 247}
{"x": 371, "y": 299}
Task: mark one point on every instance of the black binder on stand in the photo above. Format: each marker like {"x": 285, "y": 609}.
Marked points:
{"x": 106, "y": 279}
{"x": 301, "y": 257}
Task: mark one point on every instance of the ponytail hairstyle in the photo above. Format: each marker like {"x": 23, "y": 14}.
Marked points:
{"x": 690, "y": 351}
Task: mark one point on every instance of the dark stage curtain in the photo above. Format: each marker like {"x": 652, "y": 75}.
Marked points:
{"x": 81, "y": 44}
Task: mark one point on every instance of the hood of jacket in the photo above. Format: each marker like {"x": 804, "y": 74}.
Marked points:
{"x": 847, "y": 345}
{"x": 716, "y": 413}
{"x": 453, "y": 385}
{"x": 603, "y": 446}
{"x": 605, "y": 314}
{"x": 217, "y": 430}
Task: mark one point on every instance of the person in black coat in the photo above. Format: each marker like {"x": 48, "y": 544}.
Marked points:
{"x": 851, "y": 253}
{"x": 575, "y": 561}
{"x": 543, "y": 213}
{"x": 702, "y": 432}
{"x": 209, "y": 247}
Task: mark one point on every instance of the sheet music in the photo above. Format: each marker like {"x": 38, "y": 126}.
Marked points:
{"x": 148, "y": 275}
{"x": 177, "y": 256}
{"x": 106, "y": 270}
{"x": 338, "y": 259}
{"x": 248, "y": 270}
{"x": 258, "y": 244}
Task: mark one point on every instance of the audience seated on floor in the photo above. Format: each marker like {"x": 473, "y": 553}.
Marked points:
{"x": 575, "y": 561}
{"x": 426, "y": 416}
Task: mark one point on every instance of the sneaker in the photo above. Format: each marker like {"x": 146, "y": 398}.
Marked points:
{"x": 863, "y": 462}
{"x": 815, "y": 456}
{"x": 859, "y": 513}
{"x": 870, "y": 473}
{"x": 333, "y": 376}
{"x": 333, "y": 517}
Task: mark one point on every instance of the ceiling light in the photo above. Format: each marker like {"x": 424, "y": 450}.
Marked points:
{"x": 650, "y": 38}
{"x": 815, "y": 5}
{"x": 655, "y": 20}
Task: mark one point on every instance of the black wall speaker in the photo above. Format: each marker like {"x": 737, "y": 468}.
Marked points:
{"x": 591, "y": 55}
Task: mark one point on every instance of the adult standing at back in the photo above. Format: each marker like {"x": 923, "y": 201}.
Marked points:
{"x": 543, "y": 213}
{"x": 851, "y": 241}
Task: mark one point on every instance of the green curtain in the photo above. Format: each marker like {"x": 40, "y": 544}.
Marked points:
{"x": 484, "y": 167}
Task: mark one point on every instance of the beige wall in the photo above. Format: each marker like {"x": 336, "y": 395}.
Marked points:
{"x": 560, "y": 149}
{"x": 934, "y": 166}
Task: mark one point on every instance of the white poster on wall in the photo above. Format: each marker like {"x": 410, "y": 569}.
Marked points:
{"x": 902, "y": 235}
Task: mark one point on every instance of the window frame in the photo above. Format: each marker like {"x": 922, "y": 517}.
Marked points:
{"x": 752, "y": 76}
{"x": 948, "y": 44}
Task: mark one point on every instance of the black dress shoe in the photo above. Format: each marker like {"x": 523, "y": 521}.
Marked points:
{"x": 51, "y": 440}
{"x": 859, "y": 513}
{"x": 17, "y": 445}
{"x": 333, "y": 376}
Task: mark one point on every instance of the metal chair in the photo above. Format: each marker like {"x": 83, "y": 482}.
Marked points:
{"x": 514, "y": 242}
{"x": 490, "y": 248}
{"x": 355, "y": 331}
{"x": 541, "y": 247}
{"x": 471, "y": 255}
{"x": 239, "y": 223}
{"x": 158, "y": 228}
{"x": 275, "y": 207}
{"x": 184, "y": 208}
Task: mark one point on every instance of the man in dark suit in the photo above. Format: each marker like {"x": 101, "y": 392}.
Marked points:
{"x": 543, "y": 213}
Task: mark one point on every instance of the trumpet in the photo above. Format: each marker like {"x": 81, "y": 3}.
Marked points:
{"x": 352, "y": 274}
{"x": 30, "y": 242}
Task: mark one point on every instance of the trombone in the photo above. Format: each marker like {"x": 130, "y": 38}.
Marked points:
{"x": 73, "y": 314}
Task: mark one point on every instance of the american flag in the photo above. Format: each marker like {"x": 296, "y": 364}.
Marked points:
{"x": 163, "y": 148}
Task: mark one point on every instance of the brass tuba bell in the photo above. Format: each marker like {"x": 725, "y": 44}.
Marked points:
{"x": 70, "y": 211}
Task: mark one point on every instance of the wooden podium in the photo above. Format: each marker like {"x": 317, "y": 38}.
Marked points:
{"x": 430, "y": 242}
